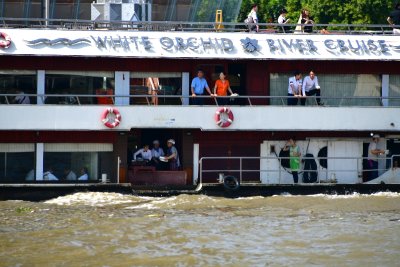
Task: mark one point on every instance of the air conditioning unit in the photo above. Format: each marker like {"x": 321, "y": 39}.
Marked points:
{"x": 121, "y": 10}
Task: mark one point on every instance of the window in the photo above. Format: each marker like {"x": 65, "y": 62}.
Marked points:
{"x": 161, "y": 83}
{"x": 79, "y": 83}
{"x": 17, "y": 162}
{"x": 336, "y": 89}
{"x": 394, "y": 90}
{"x": 59, "y": 158}
{"x": 17, "y": 82}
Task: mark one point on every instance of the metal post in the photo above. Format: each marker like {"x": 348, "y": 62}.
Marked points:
{"x": 280, "y": 170}
{"x": 240, "y": 170}
{"x": 46, "y": 11}
{"x": 118, "y": 163}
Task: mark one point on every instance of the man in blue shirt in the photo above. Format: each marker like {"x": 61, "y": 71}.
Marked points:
{"x": 198, "y": 85}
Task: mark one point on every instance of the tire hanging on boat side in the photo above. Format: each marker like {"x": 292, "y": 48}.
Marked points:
{"x": 323, "y": 153}
{"x": 231, "y": 183}
{"x": 310, "y": 174}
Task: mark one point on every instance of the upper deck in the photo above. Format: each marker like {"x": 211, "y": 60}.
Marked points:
{"x": 85, "y": 38}
{"x": 54, "y": 60}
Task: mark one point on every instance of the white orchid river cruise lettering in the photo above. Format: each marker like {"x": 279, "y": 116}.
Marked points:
{"x": 201, "y": 45}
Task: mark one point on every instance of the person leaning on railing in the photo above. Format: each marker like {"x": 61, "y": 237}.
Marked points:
{"x": 394, "y": 19}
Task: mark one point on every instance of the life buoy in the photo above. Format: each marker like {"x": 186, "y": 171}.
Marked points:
{"x": 6, "y": 42}
{"x": 223, "y": 117}
{"x": 231, "y": 183}
{"x": 111, "y": 117}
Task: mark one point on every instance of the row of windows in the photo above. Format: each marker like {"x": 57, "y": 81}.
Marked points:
{"x": 336, "y": 90}
{"x": 62, "y": 162}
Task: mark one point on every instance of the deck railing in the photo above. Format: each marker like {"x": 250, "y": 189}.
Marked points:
{"x": 236, "y": 166}
{"x": 89, "y": 99}
{"x": 76, "y": 24}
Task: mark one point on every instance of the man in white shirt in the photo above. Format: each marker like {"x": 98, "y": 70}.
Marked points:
{"x": 252, "y": 19}
{"x": 294, "y": 89}
{"x": 84, "y": 175}
{"x": 21, "y": 98}
{"x": 49, "y": 176}
{"x": 311, "y": 87}
{"x": 144, "y": 152}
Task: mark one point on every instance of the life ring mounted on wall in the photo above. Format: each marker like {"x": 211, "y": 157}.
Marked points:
{"x": 6, "y": 42}
{"x": 111, "y": 117}
{"x": 224, "y": 117}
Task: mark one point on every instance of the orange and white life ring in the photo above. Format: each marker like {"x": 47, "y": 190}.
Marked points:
{"x": 6, "y": 42}
{"x": 111, "y": 117}
{"x": 223, "y": 117}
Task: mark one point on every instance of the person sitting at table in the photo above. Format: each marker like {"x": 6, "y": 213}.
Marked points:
{"x": 49, "y": 176}
{"x": 69, "y": 175}
{"x": 84, "y": 175}
{"x": 144, "y": 152}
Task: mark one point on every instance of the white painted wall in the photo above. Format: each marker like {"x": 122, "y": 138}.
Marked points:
{"x": 345, "y": 171}
{"x": 271, "y": 118}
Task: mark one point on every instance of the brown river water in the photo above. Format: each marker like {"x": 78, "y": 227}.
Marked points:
{"x": 107, "y": 229}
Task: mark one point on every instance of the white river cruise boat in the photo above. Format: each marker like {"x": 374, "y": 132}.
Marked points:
{"x": 82, "y": 96}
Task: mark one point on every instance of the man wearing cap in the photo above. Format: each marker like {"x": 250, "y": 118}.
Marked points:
{"x": 311, "y": 87}
{"x": 172, "y": 156}
{"x": 373, "y": 154}
{"x": 156, "y": 153}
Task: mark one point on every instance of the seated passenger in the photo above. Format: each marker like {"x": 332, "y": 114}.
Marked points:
{"x": 49, "y": 176}
{"x": 172, "y": 156}
{"x": 84, "y": 175}
{"x": 144, "y": 152}
{"x": 21, "y": 98}
{"x": 30, "y": 176}
{"x": 69, "y": 175}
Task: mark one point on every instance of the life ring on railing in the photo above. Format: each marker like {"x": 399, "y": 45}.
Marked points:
{"x": 231, "y": 183}
{"x": 111, "y": 117}
{"x": 6, "y": 42}
{"x": 224, "y": 117}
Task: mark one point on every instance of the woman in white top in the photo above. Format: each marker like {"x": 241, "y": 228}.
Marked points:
{"x": 252, "y": 19}
{"x": 283, "y": 20}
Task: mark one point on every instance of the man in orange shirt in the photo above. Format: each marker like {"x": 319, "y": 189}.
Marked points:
{"x": 221, "y": 88}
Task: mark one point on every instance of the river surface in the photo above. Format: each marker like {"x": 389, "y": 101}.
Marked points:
{"x": 107, "y": 229}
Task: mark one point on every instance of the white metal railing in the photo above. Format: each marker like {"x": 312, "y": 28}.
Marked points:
{"x": 89, "y": 99}
{"x": 376, "y": 29}
{"x": 234, "y": 166}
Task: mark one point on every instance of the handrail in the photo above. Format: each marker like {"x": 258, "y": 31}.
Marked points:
{"x": 247, "y": 98}
{"x": 81, "y": 24}
{"x": 239, "y": 167}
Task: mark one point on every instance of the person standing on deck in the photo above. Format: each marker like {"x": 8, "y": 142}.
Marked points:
{"x": 221, "y": 88}
{"x": 394, "y": 19}
{"x": 172, "y": 156}
{"x": 373, "y": 154}
{"x": 294, "y": 152}
{"x": 198, "y": 85}
{"x": 252, "y": 19}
